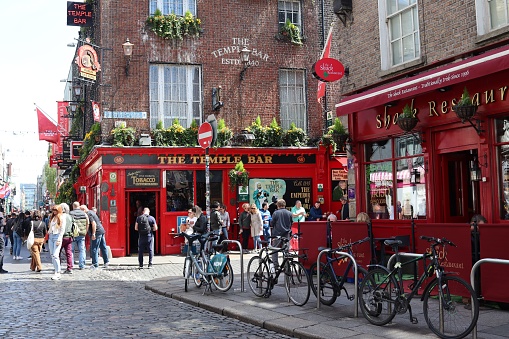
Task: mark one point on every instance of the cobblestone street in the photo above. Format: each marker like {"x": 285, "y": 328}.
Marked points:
{"x": 105, "y": 303}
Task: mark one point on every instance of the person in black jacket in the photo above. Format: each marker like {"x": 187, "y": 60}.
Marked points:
{"x": 245, "y": 226}
{"x": 2, "y": 248}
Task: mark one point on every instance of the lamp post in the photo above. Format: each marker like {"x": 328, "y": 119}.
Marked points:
{"x": 127, "y": 46}
{"x": 244, "y": 57}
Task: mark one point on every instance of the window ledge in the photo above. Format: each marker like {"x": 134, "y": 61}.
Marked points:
{"x": 491, "y": 35}
{"x": 421, "y": 60}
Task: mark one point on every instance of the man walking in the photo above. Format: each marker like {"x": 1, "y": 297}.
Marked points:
{"x": 2, "y": 248}
{"x": 281, "y": 226}
{"x": 145, "y": 225}
{"x": 97, "y": 233}
{"x": 81, "y": 220}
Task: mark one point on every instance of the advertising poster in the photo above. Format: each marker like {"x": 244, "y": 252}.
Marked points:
{"x": 270, "y": 190}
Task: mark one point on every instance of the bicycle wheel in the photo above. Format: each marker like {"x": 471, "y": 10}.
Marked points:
{"x": 297, "y": 283}
{"x": 223, "y": 281}
{"x": 187, "y": 269}
{"x": 258, "y": 276}
{"x": 458, "y": 320}
{"x": 377, "y": 293}
{"x": 328, "y": 293}
{"x": 197, "y": 276}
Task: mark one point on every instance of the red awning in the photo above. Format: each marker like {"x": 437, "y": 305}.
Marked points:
{"x": 464, "y": 70}
{"x": 342, "y": 160}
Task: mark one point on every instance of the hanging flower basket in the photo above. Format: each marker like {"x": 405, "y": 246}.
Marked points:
{"x": 406, "y": 123}
{"x": 238, "y": 176}
{"x": 340, "y": 141}
{"x": 465, "y": 112}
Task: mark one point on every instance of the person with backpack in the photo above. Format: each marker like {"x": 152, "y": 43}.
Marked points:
{"x": 17, "y": 233}
{"x": 145, "y": 225}
{"x": 97, "y": 235}
{"x": 68, "y": 238}
{"x": 81, "y": 221}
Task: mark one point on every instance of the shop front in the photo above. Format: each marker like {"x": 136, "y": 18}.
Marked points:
{"x": 169, "y": 180}
{"x": 445, "y": 170}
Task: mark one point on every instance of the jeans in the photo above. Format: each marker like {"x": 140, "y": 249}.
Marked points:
{"x": 6, "y": 239}
{"x": 256, "y": 242}
{"x": 145, "y": 242}
{"x": 16, "y": 244}
{"x": 225, "y": 233}
{"x": 99, "y": 242}
{"x": 67, "y": 247}
{"x": 266, "y": 233}
{"x": 80, "y": 243}
{"x": 54, "y": 250}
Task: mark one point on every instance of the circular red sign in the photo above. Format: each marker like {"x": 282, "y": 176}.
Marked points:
{"x": 205, "y": 135}
{"x": 328, "y": 70}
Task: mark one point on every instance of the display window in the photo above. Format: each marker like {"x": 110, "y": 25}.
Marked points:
{"x": 502, "y": 138}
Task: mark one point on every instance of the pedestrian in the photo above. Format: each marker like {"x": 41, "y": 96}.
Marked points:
{"x": 40, "y": 231}
{"x": 187, "y": 228}
{"x": 200, "y": 226}
{"x": 344, "y": 212}
{"x": 2, "y": 249}
{"x": 97, "y": 235}
{"x": 256, "y": 227}
{"x": 298, "y": 212}
{"x": 4, "y": 234}
{"x": 67, "y": 238}
{"x": 281, "y": 226}
{"x": 363, "y": 217}
{"x": 145, "y": 225}
{"x": 17, "y": 233}
{"x": 245, "y": 226}
{"x": 266, "y": 217}
{"x": 315, "y": 213}
{"x": 82, "y": 222}
{"x": 225, "y": 217}
{"x": 56, "y": 232}
{"x": 216, "y": 223}
{"x": 9, "y": 226}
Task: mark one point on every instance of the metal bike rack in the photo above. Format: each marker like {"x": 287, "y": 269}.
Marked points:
{"x": 226, "y": 241}
{"x": 404, "y": 254}
{"x": 472, "y": 281}
{"x": 356, "y": 302}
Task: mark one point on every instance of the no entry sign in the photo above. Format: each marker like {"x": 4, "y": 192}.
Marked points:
{"x": 205, "y": 135}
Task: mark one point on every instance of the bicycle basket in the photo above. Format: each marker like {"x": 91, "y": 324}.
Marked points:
{"x": 217, "y": 263}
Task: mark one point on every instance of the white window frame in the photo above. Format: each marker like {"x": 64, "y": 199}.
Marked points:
{"x": 297, "y": 22}
{"x": 164, "y": 105}
{"x": 483, "y": 17}
{"x": 386, "y": 56}
{"x": 288, "y": 108}
{"x": 167, "y": 6}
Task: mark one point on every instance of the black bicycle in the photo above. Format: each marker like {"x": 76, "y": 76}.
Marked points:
{"x": 262, "y": 275}
{"x": 382, "y": 294}
{"x": 331, "y": 284}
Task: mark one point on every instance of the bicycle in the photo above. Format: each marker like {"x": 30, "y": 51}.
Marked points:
{"x": 262, "y": 274}
{"x": 382, "y": 295}
{"x": 212, "y": 271}
{"x": 331, "y": 284}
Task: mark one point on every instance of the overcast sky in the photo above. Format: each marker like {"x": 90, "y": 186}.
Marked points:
{"x": 34, "y": 58}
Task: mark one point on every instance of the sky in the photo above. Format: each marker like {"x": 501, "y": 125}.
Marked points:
{"x": 34, "y": 58}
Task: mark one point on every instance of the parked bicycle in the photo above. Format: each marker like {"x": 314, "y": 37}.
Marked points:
{"x": 382, "y": 294}
{"x": 206, "y": 268}
{"x": 262, "y": 274}
{"x": 331, "y": 284}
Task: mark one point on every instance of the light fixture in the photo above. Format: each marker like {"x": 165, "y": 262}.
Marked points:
{"x": 77, "y": 89}
{"x": 244, "y": 138}
{"x": 244, "y": 57}
{"x": 73, "y": 106}
{"x": 475, "y": 168}
{"x": 415, "y": 177}
{"x": 128, "y": 51}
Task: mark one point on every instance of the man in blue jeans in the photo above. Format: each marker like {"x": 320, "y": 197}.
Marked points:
{"x": 81, "y": 220}
{"x": 145, "y": 226}
{"x": 97, "y": 236}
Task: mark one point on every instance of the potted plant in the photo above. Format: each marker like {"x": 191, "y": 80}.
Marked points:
{"x": 224, "y": 134}
{"x": 290, "y": 32}
{"x": 294, "y": 136}
{"x": 238, "y": 176}
{"x": 123, "y": 136}
{"x": 173, "y": 26}
{"x": 465, "y": 109}
{"x": 407, "y": 119}
{"x": 336, "y": 136}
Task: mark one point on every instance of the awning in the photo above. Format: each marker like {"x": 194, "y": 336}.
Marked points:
{"x": 342, "y": 160}
{"x": 464, "y": 70}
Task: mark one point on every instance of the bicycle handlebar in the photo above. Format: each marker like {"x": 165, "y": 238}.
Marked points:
{"x": 350, "y": 245}
{"x": 437, "y": 241}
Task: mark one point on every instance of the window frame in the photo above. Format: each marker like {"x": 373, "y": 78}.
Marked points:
{"x": 187, "y": 5}
{"x": 284, "y": 117}
{"x": 286, "y": 12}
{"x": 483, "y": 19}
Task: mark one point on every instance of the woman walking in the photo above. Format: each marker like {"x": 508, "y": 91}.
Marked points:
{"x": 40, "y": 231}
{"x": 56, "y": 233}
{"x": 17, "y": 233}
{"x": 256, "y": 227}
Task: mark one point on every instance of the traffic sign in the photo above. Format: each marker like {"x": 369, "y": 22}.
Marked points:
{"x": 205, "y": 135}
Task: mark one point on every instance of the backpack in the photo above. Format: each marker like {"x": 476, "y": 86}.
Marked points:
{"x": 75, "y": 231}
{"x": 200, "y": 226}
{"x": 143, "y": 225}
{"x": 17, "y": 227}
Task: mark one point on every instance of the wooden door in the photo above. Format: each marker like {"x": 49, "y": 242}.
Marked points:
{"x": 456, "y": 188}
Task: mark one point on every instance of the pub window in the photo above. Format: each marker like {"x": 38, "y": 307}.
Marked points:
{"x": 175, "y": 93}
{"x": 178, "y": 7}
{"x": 216, "y": 188}
{"x": 399, "y": 32}
{"x": 289, "y": 10}
{"x": 395, "y": 183}
{"x": 502, "y": 131}
{"x": 292, "y": 96}
{"x": 179, "y": 190}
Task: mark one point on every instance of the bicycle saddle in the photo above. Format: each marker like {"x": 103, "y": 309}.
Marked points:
{"x": 395, "y": 242}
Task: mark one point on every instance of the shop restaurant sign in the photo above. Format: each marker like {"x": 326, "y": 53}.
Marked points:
{"x": 328, "y": 70}
{"x": 79, "y": 14}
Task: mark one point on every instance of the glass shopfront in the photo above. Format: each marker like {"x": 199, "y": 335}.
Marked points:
{"x": 502, "y": 132}
{"x": 181, "y": 187}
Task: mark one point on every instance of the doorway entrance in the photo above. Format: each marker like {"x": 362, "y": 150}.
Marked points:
{"x": 459, "y": 193}
{"x": 135, "y": 203}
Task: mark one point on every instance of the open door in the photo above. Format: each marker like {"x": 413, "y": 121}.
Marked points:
{"x": 459, "y": 193}
{"x": 135, "y": 200}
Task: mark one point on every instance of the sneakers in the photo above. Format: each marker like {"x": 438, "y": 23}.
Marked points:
{"x": 106, "y": 265}
{"x": 140, "y": 267}
{"x": 3, "y": 271}
{"x": 56, "y": 276}
{"x": 68, "y": 271}
{"x": 93, "y": 268}
{"x": 18, "y": 258}
{"x": 150, "y": 266}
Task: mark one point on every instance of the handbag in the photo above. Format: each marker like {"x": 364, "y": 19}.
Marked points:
{"x": 30, "y": 239}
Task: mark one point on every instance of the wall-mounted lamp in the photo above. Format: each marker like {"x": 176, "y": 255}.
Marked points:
{"x": 444, "y": 89}
{"x": 391, "y": 104}
{"x": 77, "y": 89}
{"x": 128, "y": 51}
{"x": 475, "y": 168}
{"x": 415, "y": 177}
{"x": 244, "y": 138}
{"x": 244, "y": 57}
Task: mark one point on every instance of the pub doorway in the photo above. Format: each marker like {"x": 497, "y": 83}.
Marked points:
{"x": 459, "y": 199}
{"x": 135, "y": 203}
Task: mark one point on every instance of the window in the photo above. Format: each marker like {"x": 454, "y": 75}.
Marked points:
{"x": 216, "y": 185}
{"x": 179, "y": 190}
{"x": 292, "y": 96}
{"x": 399, "y": 32}
{"x": 179, "y": 7}
{"x": 502, "y": 130}
{"x": 175, "y": 93}
{"x": 289, "y": 10}
{"x": 395, "y": 184}
{"x": 491, "y": 15}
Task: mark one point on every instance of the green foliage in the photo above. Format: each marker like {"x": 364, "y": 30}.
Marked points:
{"x": 224, "y": 134}
{"x": 291, "y": 32}
{"x": 66, "y": 192}
{"x": 92, "y": 138}
{"x": 176, "y": 135}
{"x": 50, "y": 175}
{"x": 259, "y": 132}
{"x": 465, "y": 99}
{"x": 173, "y": 26}
{"x": 123, "y": 136}
{"x": 336, "y": 136}
{"x": 407, "y": 112}
{"x": 238, "y": 176}
{"x": 159, "y": 125}
{"x": 294, "y": 136}
{"x": 273, "y": 135}
{"x": 338, "y": 128}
